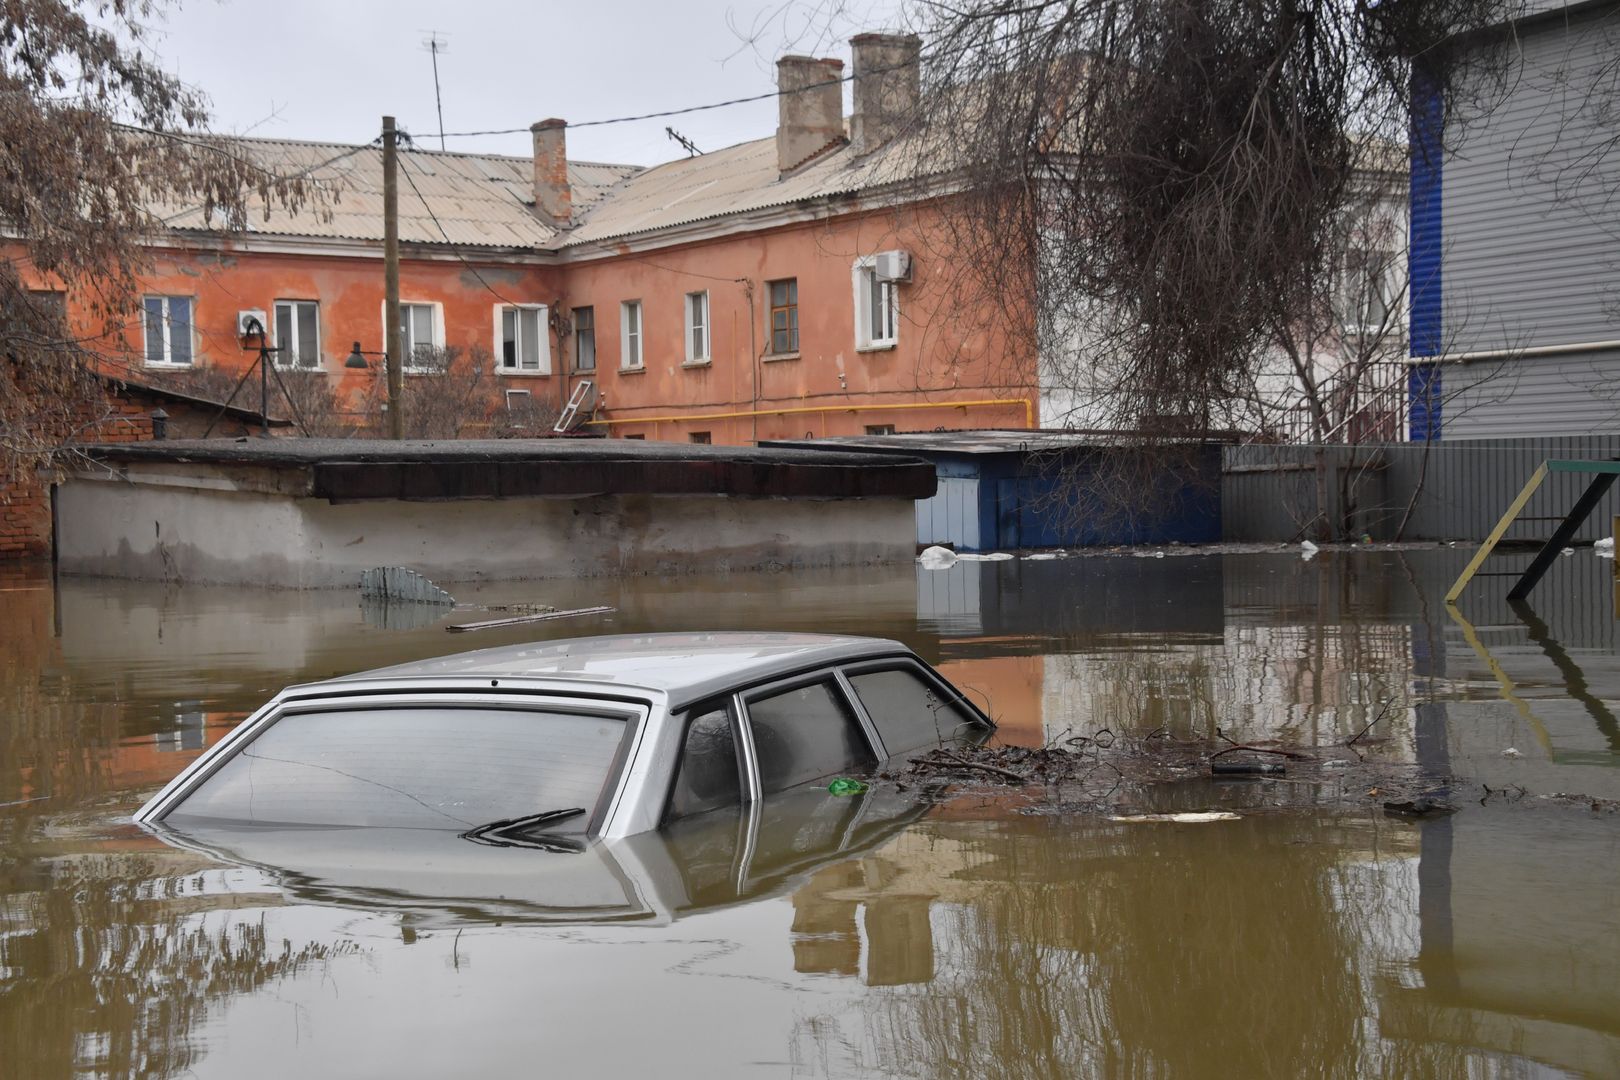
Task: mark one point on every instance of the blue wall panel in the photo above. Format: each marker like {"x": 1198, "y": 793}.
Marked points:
{"x": 1424, "y": 249}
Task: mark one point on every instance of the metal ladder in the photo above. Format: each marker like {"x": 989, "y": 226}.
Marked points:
{"x": 570, "y": 415}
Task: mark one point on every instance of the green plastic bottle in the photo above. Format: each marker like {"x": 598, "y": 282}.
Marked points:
{"x": 845, "y": 786}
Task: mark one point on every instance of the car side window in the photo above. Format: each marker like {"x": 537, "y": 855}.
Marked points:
{"x": 908, "y": 712}
{"x": 707, "y": 776}
{"x": 804, "y": 734}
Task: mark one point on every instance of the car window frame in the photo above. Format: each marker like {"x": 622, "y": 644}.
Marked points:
{"x": 634, "y": 712}
{"x": 832, "y": 674}
{"x": 687, "y": 717}
{"x": 942, "y": 686}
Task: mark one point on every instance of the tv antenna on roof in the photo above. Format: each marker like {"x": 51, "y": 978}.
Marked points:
{"x": 686, "y": 144}
{"x": 436, "y": 45}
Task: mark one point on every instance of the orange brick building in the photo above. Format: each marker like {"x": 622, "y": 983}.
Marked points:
{"x": 787, "y": 287}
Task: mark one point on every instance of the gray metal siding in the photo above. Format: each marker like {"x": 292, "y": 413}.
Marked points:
{"x": 1532, "y": 397}
{"x": 1462, "y": 488}
{"x": 1530, "y": 225}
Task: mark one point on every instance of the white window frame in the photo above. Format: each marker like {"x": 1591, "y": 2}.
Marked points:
{"x": 864, "y": 270}
{"x": 287, "y": 360}
{"x": 1356, "y": 282}
{"x": 629, "y": 338}
{"x": 693, "y": 356}
{"x": 438, "y": 332}
{"x": 542, "y": 322}
{"x": 168, "y": 333}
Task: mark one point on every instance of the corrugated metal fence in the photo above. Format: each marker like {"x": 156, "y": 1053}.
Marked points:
{"x": 1268, "y": 493}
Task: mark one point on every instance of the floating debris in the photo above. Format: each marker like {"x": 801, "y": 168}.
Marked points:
{"x": 1194, "y": 818}
{"x": 396, "y": 598}
{"x": 937, "y": 558}
{"x": 846, "y": 786}
{"x": 518, "y": 620}
{"x": 1245, "y": 768}
{"x": 396, "y": 584}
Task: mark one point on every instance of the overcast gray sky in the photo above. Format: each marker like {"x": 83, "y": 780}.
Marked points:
{"x": 330, "y": 69}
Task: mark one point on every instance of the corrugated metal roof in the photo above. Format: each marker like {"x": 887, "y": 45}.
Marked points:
{"x": 735, "y": 180}
{"x": 483, "y": 200}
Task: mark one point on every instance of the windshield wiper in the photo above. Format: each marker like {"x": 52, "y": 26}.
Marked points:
{"x": 529, "y": 832}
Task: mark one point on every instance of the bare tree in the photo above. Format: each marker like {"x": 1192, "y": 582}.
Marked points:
{"x": 1165, "y": 182}
{"x": 450, "y": 393}
{"x": 94, "y": 134}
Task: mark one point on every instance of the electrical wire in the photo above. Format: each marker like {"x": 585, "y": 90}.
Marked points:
{"x": 299, "y": 175}
{"x": 841, "y": 80}
{"x": 406, "y": 172}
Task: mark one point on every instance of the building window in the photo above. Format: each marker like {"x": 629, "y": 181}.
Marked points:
{"x": 1369, "y": 292}
{"x": 584, "y": 339}
{"x": 630, "y": 335}
{"x": 701, "y": 437}
{"x": 880, "y": 429}
{"x": 517, "y": 401}
{"x": 168, "y": 329}
{"x": 877, "y": 308}
{"x": 784, "y": 316}
{"x": 697, "y": 328}
{"x": 637, "y": 438}
{"x": 298, "y": 334}
{"x": 421, "y": 336}
{"x": 524, "y": 346}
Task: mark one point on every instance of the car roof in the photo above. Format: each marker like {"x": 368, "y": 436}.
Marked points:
{"x": 685, "y": 666}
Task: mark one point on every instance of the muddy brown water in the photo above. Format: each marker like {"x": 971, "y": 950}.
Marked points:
{"x": 861, "y": 937}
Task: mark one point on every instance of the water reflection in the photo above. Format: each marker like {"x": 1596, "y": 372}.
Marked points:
{"x": 838, "y": 940}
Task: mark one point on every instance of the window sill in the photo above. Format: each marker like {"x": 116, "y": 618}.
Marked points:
{"x": 590, "y": 372}
{"x": 299, "y": 368}
{"x": 165, "y": 366}
{"x": 513, "y": 373}
{"x": 633, "y": 371}
{"x": 878, "y": 346}
{"x": 697, "y": 363}
{"x": 771, "y": 358}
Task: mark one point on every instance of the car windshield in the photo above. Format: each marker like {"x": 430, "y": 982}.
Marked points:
{"x": 422, "y": 768}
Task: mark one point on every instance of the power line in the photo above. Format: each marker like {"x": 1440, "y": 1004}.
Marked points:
{"x": 922, "y": 53}
{"x": 299, "y": 175}
{"x": 406, "y": 172}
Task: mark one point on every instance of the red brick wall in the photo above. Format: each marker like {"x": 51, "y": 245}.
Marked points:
{"x": 25, "y": 506}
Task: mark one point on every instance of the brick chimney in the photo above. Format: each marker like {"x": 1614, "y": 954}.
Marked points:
{"x": 808, "y": 120}
{"x": 888, "y": 82}
{"x": 552, "y": 195}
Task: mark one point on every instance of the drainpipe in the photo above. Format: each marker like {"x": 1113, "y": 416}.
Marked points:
{"x": 753, "y": 354}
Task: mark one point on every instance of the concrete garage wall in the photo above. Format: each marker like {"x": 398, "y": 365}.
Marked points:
{"x": 162, "y": 531}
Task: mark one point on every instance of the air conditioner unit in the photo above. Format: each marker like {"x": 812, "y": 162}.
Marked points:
{"x": 892, "y": 265}
{"x": 245, "y": 319}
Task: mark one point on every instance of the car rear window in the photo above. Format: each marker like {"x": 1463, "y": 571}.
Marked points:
{"x": 804, "y": 734}
{"x": 424, "y": 768}
{"x": 909, "y": 712}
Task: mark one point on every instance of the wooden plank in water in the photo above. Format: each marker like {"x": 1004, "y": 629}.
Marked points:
{"x": 519, "y": 620}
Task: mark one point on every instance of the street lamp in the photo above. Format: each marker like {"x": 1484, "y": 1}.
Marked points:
{"x": 356, "y": 359}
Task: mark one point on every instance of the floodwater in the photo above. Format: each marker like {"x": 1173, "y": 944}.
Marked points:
{"x": 875, "y": 936}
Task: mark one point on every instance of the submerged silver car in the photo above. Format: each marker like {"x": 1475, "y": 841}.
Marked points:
{"x": 551, "y": 745}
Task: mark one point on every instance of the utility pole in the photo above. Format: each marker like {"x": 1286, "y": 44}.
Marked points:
{"x": 393, "y": 346}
